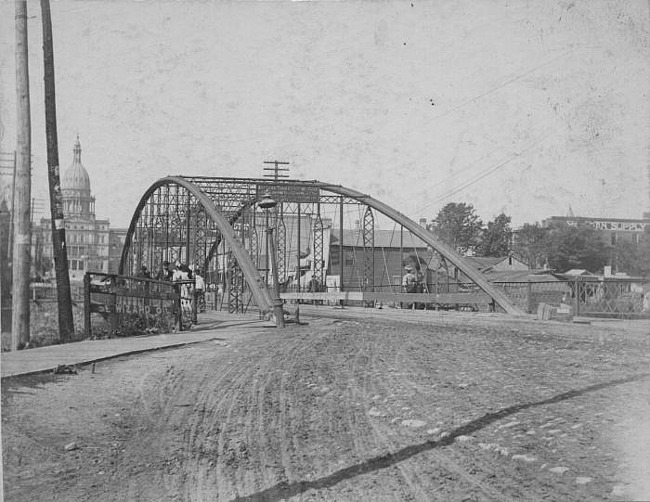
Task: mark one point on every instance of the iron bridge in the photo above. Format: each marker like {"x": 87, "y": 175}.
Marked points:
{"x": 330, "y": 243}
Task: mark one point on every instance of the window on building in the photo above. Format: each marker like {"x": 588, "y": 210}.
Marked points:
{"x": 334, "y": 256}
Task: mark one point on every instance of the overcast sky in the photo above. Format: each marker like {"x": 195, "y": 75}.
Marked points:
{"x": 525, "y": 107}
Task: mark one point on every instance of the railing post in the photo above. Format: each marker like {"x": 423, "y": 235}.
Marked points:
{"x": 179, "y": 310}
{"x": 576, "y": 286}
{"x": 194, "y": 301}
{"x": 87, "y": 327}
{"x": 147, "y": 302}
{"x": 529, "y": 296}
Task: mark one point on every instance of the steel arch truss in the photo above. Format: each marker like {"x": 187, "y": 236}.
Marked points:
{"x": 215, "y": 225}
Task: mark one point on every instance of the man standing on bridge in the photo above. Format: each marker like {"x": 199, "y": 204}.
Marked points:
{"x": 409, "y": 283}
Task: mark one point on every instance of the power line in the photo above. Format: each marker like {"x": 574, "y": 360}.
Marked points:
{"x": 500, "y": 86}
{"x": 487, "y": 172}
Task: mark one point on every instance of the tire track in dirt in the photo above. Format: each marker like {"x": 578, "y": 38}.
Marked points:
{"x": 252, "y": 407}
{"x": 420, "y": 486}
{"x": 318, "y": 413}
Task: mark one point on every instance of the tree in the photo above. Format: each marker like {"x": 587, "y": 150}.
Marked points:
{"x": 633, "y": 258}
{"x": 576, "y": 247}
{"x": 496, "y": 237}
{"x": 458, "y": 226}
{"x": 530, "y": 244}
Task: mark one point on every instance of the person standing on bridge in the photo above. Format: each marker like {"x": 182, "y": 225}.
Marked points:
{"x": 183, "y": 274}
{"x": 144, "y": 273}
{"x": 199, "y": 291}
{"x": 409, "y": 283}
{"x": 165, "y": 273}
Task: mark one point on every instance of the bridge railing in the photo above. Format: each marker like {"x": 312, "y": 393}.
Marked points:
{"x": 615, "y": 298}
{"x": 457, "y": 299}
{"x": 117, "y": 305}
{"x": 592, "y": 297}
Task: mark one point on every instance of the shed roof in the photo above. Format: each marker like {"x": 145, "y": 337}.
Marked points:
{"x": 540, "y": 275}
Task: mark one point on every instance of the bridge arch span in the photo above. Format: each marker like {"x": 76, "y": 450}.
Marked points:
{"x": 192, "y": 198}
{"x": 190, "y": 218}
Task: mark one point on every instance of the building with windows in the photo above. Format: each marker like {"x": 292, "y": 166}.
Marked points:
{"x": 91, "y": 244}
{"x": 611, "y": 230}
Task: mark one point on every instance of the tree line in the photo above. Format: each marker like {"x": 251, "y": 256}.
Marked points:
{"x": 559, "y": 246}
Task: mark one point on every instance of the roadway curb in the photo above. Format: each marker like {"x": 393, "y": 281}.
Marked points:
{"x": 106, "y": 358}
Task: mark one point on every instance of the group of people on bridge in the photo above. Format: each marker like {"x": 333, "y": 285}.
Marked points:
{"x": 192, "y": 285}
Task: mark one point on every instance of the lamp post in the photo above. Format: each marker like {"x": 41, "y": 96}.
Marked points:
{"x": 267, "y": 203}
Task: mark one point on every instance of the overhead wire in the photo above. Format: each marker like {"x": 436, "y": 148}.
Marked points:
{"x": 488, "y": 171}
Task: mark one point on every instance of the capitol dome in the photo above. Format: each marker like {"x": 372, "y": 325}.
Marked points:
{"x": 76, "y": 177}
{"x": 75, "y": 189}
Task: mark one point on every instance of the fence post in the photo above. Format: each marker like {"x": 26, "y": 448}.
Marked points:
{"x": 529, "y": 296}
{"x": 147, "y": 303}
{"x": 576, "y": 286}
{"x": 194, "y": 301}
{"x": 179, "y": 311}
{"x": 87, "y": 328}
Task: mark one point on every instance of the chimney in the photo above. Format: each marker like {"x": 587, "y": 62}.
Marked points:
{"x": 423, "y": 222}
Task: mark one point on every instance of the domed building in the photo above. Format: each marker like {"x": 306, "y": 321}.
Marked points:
{"x": 89, "y": 240}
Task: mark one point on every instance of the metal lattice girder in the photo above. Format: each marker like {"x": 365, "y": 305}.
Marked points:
{"x": 318, "y": 248}
{"x": 253, "y": 241}
{"x": 281, "y": 237}
{"x": 368, "y": 250}
{"x": 235, "y": 286}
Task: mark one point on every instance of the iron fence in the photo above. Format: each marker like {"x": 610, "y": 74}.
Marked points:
{"x": 617, "y": 298}
{"x": 136, "y": 305}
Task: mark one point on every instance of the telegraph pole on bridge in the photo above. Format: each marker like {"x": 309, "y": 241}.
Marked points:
{"x": 276, "y": 169}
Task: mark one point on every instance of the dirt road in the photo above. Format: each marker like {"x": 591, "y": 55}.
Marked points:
{"x": 363, "y": 408}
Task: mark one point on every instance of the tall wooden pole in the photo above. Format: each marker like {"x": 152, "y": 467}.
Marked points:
{"x": 22, "y": 189}
{"x": 66, "y": 321}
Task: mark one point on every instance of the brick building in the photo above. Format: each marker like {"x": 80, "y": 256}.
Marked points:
{"x": 612, "y": 230}
{"x": 91, "y": 244}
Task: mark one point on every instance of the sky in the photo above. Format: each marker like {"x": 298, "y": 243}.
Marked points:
{"x": 523, "y": 107}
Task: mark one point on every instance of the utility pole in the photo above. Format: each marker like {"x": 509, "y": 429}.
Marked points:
{"x": 22, "y": 189}
{"x": 66, "y": 321}
{"x": 8, "y": 167}
{"x": 276, "y": 169}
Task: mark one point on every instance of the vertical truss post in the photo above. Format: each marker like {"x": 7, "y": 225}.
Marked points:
{"x": 235, "y": 283}
{"x": 318, "y": 247}
{"x": 368, "y": 250}
{"x": 341, "y": 259}
{"x": 188, "y": 227}
{"x": 281, "y": 237}
{"x": 298, "y": 271}
{"x": 201, "y": 231}
{"x": 253, "y": 239}
{"x": 165, "y": 204}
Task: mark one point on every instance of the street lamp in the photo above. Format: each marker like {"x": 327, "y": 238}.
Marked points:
{"x": 267, "y": 203}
